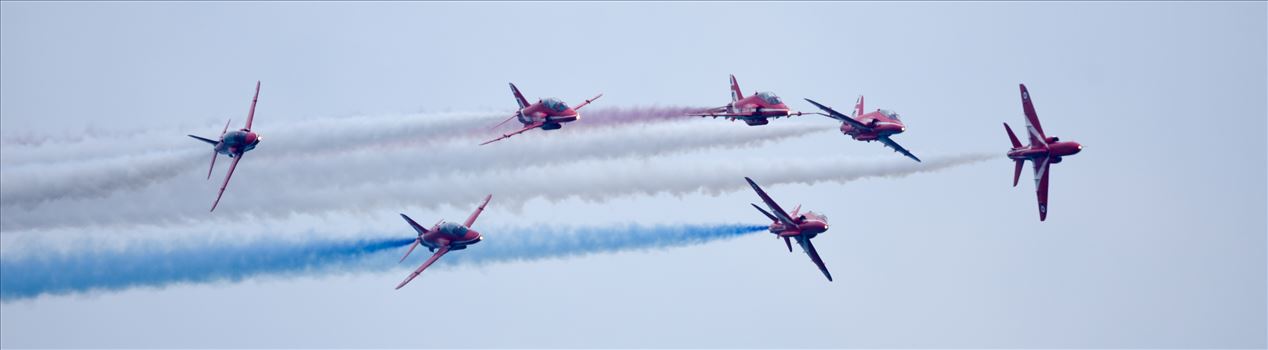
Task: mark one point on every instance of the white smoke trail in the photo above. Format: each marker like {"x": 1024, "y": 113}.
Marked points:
{"x": 292, "y": 136}
{"x": 53, "y": 170}
{"x": 29, "y": 185}
{"x": 597, "y": 180}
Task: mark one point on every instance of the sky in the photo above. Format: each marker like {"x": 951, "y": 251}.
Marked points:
{"x": 1156, "y": 234}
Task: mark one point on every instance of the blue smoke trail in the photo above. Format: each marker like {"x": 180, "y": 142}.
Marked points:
{"x": 157, "y": 265}
{"x": 154, "y": 265}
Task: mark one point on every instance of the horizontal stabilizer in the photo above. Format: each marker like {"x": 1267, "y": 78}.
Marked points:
{"x": 1017, "y": 171}
{"x": 1012, "y": 137}
{"x": 764, "y": 212}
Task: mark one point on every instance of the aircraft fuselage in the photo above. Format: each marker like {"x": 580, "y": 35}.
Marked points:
{"x": 237, "y": 141}
{"x": 806, "y": 227}
{"x": 551, "y": 117}
{"x": 457, "y": 237}
{"x": 881, "y": 126}
{"x": 1055, "y": 148}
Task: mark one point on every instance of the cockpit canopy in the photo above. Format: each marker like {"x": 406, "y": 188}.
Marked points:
{"x": 453, "y": 229}
{"x": 889, "y": 113}
{"x": 555, "y": 104}
{"x": 769, "y": 97}
{"x": 815, "y": 216}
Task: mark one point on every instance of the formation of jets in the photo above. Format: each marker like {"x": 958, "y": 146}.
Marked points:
{"x": 757, "y": 109}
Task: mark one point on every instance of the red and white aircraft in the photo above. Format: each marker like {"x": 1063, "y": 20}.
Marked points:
{"x": 233, "y": 144}
{"x": 1042, "y": 151}
{"x": 547, "y": 114}
{"x": 878, "y": 125}
{"x": 753, "y": 110}
{"x": 801, "y": 227}
{"x": 442, "y": 238}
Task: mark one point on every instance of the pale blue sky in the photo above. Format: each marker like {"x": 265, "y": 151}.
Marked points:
{"x": 1155, "y": 236}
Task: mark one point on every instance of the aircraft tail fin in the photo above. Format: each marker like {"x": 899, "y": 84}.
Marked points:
{"x": 1012, "y": 137}
{"x": 204, "y": 139}
{"x": 417, "y": 228}
{"x": 736, "y": 94}
{"x": 858, "y": 107}
{"x": 519, "y": 98}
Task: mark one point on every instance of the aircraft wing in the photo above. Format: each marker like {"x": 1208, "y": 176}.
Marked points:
{"x": 1041, "y": 186}
{"x": 814, "y": 255}
{"x": 439, "y": 252}
{"x": 1032, "y": 119}
{"x": 897, "y": 148}
{"x": 832, "y": 113}
{"x": 471, "y": 219}
{"x": 516, "y": 132}
{"x": 251, "y": 113}
{"x": 583, "y": 104}
{"x": 778, "y": 212}
{"x": 228, "y": 175}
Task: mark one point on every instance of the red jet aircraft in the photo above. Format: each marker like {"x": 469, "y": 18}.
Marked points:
{"x": 233, "y": 144}
{"x": 801, "y": 227}
{"x": 1042, "y": 151}
{"x": 753, "y": 110}
{"x": 871, "y": 126}
{"x": 547, "y": 114}
{"x": 442, "y": 238}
